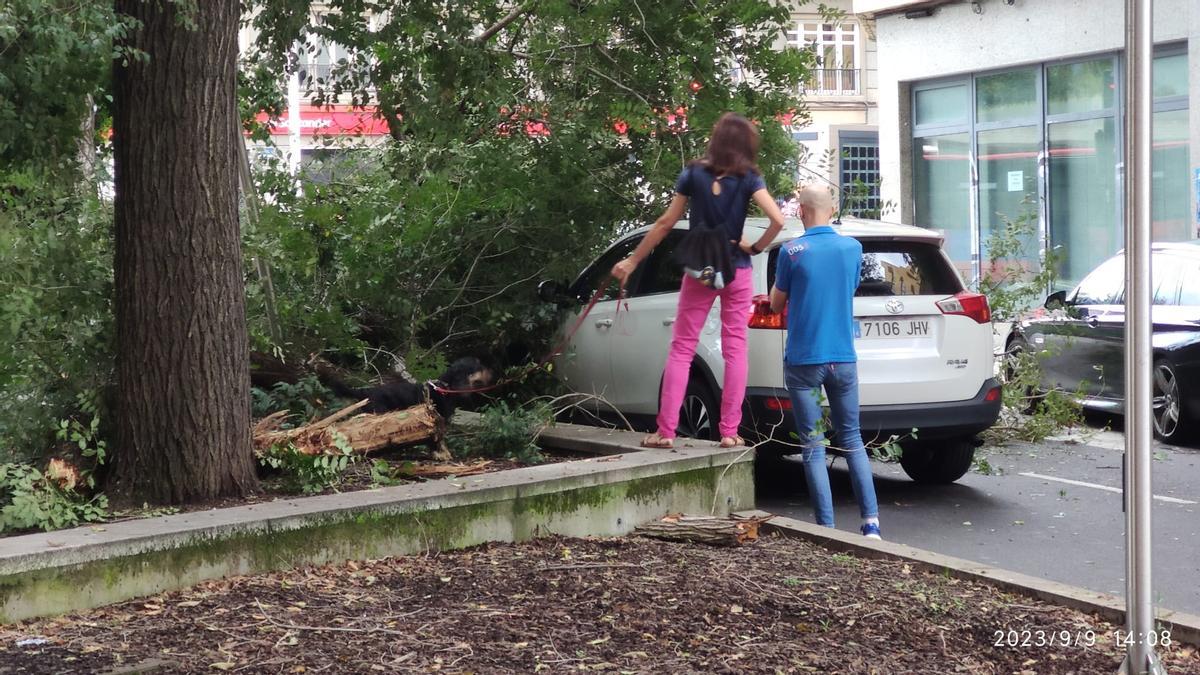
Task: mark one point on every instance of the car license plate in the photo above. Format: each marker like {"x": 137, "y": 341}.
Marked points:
{"x": 892, "y": 328}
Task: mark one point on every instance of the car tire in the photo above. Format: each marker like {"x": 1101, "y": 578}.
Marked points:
{"x": 1017, "y": 347}
{"x": 938, "y": 463}
{"x": 700, "y": 412}
{"x": 1167, "y": 410}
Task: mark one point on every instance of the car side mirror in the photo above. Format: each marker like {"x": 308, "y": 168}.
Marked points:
{"x": 555, "y": 292}
{"x": 1056, "y": 300}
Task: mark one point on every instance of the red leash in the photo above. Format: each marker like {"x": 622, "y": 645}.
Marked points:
{"x": 562, "y": 344}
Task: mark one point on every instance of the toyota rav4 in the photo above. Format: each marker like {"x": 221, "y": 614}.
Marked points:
{"x": 924, "y": 344}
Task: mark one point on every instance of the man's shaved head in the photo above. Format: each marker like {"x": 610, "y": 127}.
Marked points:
{"x": 816, "y": 205}
{"x": 815, "y": 196}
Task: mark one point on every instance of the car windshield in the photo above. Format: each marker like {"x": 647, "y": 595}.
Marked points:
{"x": 898, "y": 268}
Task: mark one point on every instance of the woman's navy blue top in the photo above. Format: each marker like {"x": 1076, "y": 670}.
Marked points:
{"x": 726, "y": 210}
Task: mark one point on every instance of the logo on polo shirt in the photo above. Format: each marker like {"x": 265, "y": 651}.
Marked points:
{"x": 795, "y": 248}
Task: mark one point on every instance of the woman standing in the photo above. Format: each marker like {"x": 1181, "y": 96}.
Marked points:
{"x": 720, "y": 185}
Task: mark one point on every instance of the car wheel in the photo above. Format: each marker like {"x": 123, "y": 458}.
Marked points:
{"x": 700, "y": 412}
{"x": 1014, "y": 354}
{"x": 1167, "y": 409}
{"x": 938, "y": 463}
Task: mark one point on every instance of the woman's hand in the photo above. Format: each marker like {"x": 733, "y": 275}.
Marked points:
{"x": 747, "y": 247}
{"x": 623, "y": 269}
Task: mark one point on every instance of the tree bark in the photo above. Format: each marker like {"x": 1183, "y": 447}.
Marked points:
{"x": 364, "y": 433}
{"x": 703, "y": 529}
{"x": 85, "y": 146}
{"x": 183, "y": 400}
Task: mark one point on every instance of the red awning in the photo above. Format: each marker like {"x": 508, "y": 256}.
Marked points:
{"x": 340, "y": 120}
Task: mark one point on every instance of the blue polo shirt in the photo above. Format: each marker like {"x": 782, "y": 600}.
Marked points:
{"x": 819, "y": 271}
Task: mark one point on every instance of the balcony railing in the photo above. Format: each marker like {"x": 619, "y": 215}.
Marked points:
{"x": 311, "y": 72}
{"x": 834, "y": 82}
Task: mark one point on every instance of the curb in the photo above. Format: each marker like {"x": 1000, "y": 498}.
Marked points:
{"x": 1184, "y": 627}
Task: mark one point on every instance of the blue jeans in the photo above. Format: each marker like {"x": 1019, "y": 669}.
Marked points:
{"x": 841, "y": 388}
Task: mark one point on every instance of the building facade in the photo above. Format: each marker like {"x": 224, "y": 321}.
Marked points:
{"x": 840, "y": 139}
{"x": 995, "y": 112}
{"x": 313, "y": 132}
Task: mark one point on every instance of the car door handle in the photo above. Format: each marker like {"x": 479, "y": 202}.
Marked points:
{"x": 669, "y": 321}
{"x": 604, "y": 323}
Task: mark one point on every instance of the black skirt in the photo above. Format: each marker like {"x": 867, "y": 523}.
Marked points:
{"x": 706, "y": 256}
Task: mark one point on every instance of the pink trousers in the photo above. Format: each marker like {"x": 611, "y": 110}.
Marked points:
{"x": 695, "y": 300}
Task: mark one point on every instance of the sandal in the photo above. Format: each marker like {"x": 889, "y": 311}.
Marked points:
{"x": 656, "y": 441}
{"x": 732, "y": 441}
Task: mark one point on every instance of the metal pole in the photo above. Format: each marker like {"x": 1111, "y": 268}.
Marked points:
{"x": 1139, "y": 612}
{"x": 293, "y": 94}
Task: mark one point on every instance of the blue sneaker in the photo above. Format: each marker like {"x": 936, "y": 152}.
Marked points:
{"x": 870, "y": 531}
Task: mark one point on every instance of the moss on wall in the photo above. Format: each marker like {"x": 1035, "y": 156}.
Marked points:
{"x": 375, "y": 532}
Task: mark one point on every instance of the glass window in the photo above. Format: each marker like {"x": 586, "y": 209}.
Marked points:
{"x": 860, "y": 178}
{"x": 661, "y": 274}
{"x": 1064, "y": 115}
{"x": 1167, "y": 271}
{"x": 836, "y": 47}
{"x": 1008, "y": 193}
{"x": 895, "y": 268}
{"x": 594, "y": 276}
{"x": 1170, "y": 76}
{"x": 1084, "y": 229}
{"x": 1104, "y": 286}
{"x": 941, "y": 192}
{"x": 904, "y": 268}
{"x": 1080, "y": 87}
{"x": 1006, "y": 96}
{"x": 943, "y": 105}
{"x": 1169, "y": 191}
{"x": 1189, "y": 292}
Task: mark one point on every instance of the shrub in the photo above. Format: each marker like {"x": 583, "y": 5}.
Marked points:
{"x": 504, "y": 431}
{"x": 1013, "y": 289}
{"x": 309, "y": 474}
{"x": 56, "y": 302}
{"x": 307, "y": 399}
{"x": 32, "y": 499}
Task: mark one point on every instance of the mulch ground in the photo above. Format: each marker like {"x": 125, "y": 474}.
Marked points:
{"x": 628, "y": 605}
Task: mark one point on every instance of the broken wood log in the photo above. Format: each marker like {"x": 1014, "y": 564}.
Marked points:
{"x": 703, "y": 529}
{"x": 362, "y": 433}
{"x": 440, "y": 470}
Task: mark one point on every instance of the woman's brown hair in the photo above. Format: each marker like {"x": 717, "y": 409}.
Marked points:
{"x": 733, "y": 146}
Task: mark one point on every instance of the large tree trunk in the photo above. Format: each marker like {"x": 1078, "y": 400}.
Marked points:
{"x": 183, "y": 400}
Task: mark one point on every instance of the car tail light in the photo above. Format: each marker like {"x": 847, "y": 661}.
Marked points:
{"x": 965, "y": 303}
{"x": 992, "y": 395}
{"x": 779, "y": 404}
{"x": 763, "y": 317}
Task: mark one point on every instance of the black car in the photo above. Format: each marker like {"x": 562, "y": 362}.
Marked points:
{"x": 1080, "y": 341}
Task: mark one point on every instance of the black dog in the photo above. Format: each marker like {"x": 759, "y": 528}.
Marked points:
{"x": 446, "y": 392}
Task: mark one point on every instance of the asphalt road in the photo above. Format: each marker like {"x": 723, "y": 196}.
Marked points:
{"x": 1051, "y": 510}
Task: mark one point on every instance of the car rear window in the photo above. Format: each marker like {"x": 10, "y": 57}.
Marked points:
{"x": 898, "y": 268}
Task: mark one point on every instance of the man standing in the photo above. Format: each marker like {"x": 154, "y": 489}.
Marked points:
{"x": 815, "y": 280}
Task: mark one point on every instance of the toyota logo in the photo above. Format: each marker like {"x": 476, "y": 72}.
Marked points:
{"x": 894, "y": 306}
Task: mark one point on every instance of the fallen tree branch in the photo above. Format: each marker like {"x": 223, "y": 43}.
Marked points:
{"x": 363, "y": 433}
{"x": 438, "y": 470}
{"x": 703, "y": 529}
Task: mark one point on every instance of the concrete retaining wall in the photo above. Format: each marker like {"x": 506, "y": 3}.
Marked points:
{"x": 56, "y": 572}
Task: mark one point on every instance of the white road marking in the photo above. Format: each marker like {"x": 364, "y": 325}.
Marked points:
{"x": 1068, "y": 481}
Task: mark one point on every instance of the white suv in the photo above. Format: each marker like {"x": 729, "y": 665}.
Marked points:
{"x": 924, "y": 346}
